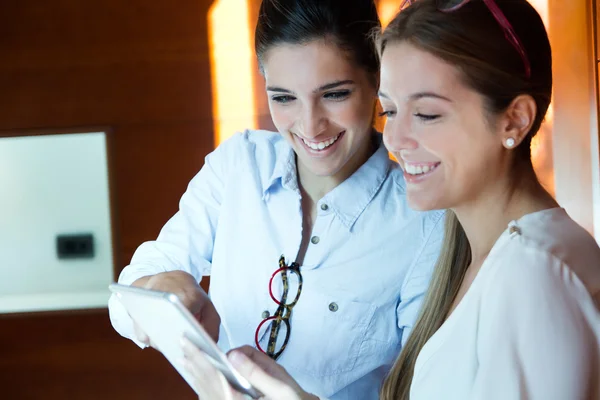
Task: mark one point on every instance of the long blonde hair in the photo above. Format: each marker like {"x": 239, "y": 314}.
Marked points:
{"x": 470, "y": 39}
{"x": 447, "y": 278}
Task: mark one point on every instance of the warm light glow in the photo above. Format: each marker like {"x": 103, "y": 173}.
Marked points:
{"x": 387, "y": 10}
{"x": 541, "y": 7}
{"x": 541, "y": 145}
{"x": 231, "y": 60}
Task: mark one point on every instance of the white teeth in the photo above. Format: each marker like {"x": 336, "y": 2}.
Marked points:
{"x": 321, "y": 145}
{"x": 418, "y": 169}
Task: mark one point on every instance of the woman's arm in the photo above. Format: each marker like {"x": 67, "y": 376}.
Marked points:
{"x": 182, "y": 253}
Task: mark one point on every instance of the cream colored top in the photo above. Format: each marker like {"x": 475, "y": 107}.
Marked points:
{"x": 529, "y": 325}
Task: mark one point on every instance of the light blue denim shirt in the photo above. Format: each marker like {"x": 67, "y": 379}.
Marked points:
{"x": 364, "y": 278}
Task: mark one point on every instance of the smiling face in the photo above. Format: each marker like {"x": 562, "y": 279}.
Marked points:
{"x": 438, "y": 129}
{"x": 322, "y": 103}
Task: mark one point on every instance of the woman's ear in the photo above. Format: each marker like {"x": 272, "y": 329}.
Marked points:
{"x": 517, "y": 121}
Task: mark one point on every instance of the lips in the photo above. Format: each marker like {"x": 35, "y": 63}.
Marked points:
{"x": 417, "y": 172}
{"x": 420, "y": 168}
{"x": 319, "y": 146}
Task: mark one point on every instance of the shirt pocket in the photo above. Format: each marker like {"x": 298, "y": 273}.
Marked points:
{"x": 327, "y": 332}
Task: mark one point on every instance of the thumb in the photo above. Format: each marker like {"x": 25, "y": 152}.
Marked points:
{"x": 269, "y": 386}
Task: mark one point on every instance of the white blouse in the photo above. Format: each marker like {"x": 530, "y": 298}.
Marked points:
{"x": 529, "y": 325}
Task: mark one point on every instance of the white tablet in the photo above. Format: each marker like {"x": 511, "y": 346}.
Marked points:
{"x": 166, "y": 320}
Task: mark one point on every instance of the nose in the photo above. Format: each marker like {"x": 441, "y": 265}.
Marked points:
{"x": 313, "y": 121}
{"x": 397, "y": 136}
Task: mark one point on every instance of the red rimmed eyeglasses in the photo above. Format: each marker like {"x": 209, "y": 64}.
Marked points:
{"x": 449, "y": 6}
{"x": 279, "y": 324}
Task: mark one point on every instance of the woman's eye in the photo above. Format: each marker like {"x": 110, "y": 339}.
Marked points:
{"x": 339, "y": 95}
{"x": 427, "y": 117}
{"x": 283, "y": 98}
{"x": 387, "y": 114}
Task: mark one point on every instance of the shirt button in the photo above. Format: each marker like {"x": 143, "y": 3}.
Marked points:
{"x": 324, "y": 207}
{"x": 333, "y": 307}
{"x": 315, "y": 240}
{"x": 514, "y": 230}
{"x": 266, "y": 314}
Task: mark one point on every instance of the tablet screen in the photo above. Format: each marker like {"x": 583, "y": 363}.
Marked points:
{"x": 166, "y": 320}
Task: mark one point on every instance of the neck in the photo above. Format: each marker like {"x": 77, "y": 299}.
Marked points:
{"x": 315, "y": 187}
{"x": 487, "y": 216}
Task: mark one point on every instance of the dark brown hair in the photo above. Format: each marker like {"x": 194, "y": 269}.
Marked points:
{"x": 472, "y": 40}
{"x": 348, "y": 23}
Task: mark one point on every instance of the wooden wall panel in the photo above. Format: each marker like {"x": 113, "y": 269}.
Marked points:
{"x": 78, "y": 356}
{"x": 262, "y": 112}
{"x": 140, "y": 68}
{"x": 575, "y": 130}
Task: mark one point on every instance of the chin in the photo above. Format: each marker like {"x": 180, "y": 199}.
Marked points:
{"x": 419, "y": 202}
{"x": 323, "y": 168}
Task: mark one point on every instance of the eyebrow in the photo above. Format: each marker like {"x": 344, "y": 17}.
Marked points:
{"x": 381, "y": 94}
{"x": 420, "y": 95}
{"x": 327, "y": 86}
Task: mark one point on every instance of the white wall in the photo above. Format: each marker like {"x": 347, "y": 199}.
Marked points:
{"x": 50, "y": 185}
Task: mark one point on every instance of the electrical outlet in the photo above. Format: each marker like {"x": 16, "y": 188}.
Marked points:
{"x": 75, "y": 246}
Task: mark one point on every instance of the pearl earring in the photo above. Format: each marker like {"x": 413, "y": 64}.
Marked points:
{"x": 510, "y": 142}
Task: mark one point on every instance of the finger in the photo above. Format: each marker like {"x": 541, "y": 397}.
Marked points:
{"x": 201, "y": 373}
{"x": 197, "y": 378}
{"x": 255, "y": 355}
{"x": 265, "y": 362}
{"x": 203, "y": 381}
{"x": 270, "y": 386}
{"x": 208, "y": 381}
{"x": 140, "y": 335}
{"x": 193, "y": 353}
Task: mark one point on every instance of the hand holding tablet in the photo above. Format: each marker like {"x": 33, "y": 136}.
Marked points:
{"x": 164, "y": 318}
{"x": 193, "y": 297}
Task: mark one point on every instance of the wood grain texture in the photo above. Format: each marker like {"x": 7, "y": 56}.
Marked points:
{"x": 79, "y": 356}
{"x": 141, "y": 69}
{"x": 575, "y": 130}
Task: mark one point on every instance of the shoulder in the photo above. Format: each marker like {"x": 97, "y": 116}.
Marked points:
{"x": 252, "y": 142}
{"x": 546, "y": 254}
{"x": 536, "y": 290}
{"x": 250, "y": 152}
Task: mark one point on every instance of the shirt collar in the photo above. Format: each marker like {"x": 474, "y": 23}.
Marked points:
{"x": 284, "y": 171}
{"x": 350, "y": 198}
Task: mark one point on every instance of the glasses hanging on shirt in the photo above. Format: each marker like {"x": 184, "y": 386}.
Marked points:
{"x": 286, "y": 280}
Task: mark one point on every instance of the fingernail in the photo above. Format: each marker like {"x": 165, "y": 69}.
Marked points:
{"x": 237, "y": 358}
